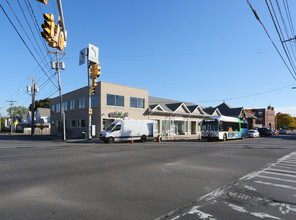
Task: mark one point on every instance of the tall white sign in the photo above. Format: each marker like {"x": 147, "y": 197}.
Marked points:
{"x": 93, "y": 53}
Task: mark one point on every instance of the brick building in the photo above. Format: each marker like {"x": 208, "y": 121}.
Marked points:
{"x": 265, "y": 117}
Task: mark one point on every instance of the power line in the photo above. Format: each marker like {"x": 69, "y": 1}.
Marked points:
{"x": 37, "y": 26}
{"x": 280, "y": 33}
{"x": 258, "y": 18}
{"x": 26, "y": 44}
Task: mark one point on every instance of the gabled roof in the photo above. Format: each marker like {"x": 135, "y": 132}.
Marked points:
{"x": 156, "y": 107}
{"x": 224, "y": 107}
{"x": 44, "y": 112}
{"x": 174, "y": 106}
{"x": 212, "y": 111}
{"x": 194, "y": 108}
{"x": 227, "y": 110}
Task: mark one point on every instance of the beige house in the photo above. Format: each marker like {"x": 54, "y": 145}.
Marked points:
{"x": 114, "y": 102}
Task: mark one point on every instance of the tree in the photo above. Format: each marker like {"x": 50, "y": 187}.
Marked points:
{"x": 285, "y": 120}
{"x": 42, "y": 103}
{"x": 17, "y": 111}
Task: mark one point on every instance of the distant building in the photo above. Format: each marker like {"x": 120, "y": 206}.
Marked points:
{"x": 265, "y": 117}
{"x": 227, "y": 110}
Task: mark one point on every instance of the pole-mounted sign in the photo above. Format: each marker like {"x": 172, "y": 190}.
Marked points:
{"x": 82, "y": 55}
{"x": 93, "y": 53}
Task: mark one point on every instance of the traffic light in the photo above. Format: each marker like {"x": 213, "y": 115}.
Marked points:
{"x": 61, "y": 41}
{"x": 43, "y": 1}
{"x": 95, "y": 71}
{"x": 48, "y": 27}
{"x": 93, "y": 86}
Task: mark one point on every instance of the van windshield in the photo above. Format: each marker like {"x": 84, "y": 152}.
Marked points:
{"x": 110, "y": 127}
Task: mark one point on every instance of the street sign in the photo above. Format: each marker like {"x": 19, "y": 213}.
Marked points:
{"x": 41, "y": 127}
{"x": 15, "y": 123}
{"x": 82, "y": 55}
{"x": 93, "y": 53}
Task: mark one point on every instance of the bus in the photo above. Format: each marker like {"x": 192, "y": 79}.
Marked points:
{"x": 223, "y": 128}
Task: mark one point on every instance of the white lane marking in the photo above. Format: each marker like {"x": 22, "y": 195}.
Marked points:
{"x": 250, "y": 188}
{"x": 237, "y": 208}
{"x": 256, "y": 214}
{"x": 290, "y": 161}
{"x": 279, "y": 174}
{"x": 256, "y": 173}
{"x": 287, "y": 164}
{"x": 278, "y": 170}
{"x": 275, "y": 178}
{"x": 200, "y": 214}
{"x": 277, "y": 185}
{"x": 285, "y": 167}
{"x": 251, "y": 175}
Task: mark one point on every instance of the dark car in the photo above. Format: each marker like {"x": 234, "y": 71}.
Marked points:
{"x": 265, "y": 132}
{"x": 283, "y": 131}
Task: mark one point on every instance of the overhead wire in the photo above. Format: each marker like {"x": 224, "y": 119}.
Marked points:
{"x": 26, "y": 44}
{"x": 258, "y": 18}
{"x": 37, "y": 26}
{"x": 280, "y": 33}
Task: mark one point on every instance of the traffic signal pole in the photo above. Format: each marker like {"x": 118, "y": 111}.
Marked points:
{"x": 89, "y": 100}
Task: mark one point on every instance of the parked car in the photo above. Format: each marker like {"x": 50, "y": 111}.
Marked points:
{"x": 264, "y": 131}
{"x": 253, "y": 133}
{"x": 283, "y": 131}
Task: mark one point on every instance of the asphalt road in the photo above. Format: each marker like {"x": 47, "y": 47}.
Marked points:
{"x": 47, "y": 179}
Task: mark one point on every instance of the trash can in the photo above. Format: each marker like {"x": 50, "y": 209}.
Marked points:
{"x": 84, "y": 135}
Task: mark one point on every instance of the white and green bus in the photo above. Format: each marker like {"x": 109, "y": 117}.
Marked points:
{"x": 223, "y": 128}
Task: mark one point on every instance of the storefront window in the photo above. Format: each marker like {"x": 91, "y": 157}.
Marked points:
{"x": 193, "y": 127}
{"x": 174, "y": 127}
{"x": 107, "y": 123}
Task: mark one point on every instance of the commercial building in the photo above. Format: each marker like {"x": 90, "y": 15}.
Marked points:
{"x": 265, "y": 117}
{"x": 112, "y": 102}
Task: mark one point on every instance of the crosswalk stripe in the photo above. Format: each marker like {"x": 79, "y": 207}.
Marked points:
{"x": 287, "y": 164}
{"x": 276, "y": 178}
{"x": 282, "y": 171}
{"x": 277, "y": 185}
{"x": 279, "y": 174}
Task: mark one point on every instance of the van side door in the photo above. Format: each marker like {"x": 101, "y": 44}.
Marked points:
{"x": 116, "y": 132}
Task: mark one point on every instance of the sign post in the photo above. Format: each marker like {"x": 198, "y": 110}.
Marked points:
{"x": 92, "y": 53}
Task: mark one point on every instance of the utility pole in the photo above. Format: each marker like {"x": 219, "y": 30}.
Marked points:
{"x": 34, "y": 89}
{"x": 11, "y": 104}
{"x": 57, "y": 66}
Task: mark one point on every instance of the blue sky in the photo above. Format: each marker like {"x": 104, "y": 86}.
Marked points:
{"x": 201, "y": 51}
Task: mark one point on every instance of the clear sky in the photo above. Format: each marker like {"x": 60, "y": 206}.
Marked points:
{"x": 200, "y": 51}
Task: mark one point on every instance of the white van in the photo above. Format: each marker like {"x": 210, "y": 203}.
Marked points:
{"x": 128, "y": 129}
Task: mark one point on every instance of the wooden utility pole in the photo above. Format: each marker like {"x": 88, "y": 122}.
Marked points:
{"x": 57, "y": 66}
{"x": 11, "y": 104}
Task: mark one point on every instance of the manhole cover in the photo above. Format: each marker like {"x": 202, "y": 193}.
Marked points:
{"x": 239, "y": 196}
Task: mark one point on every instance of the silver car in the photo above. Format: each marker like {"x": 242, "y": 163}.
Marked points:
{"x": 253, "y": 133}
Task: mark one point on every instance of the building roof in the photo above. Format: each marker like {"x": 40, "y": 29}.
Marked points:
{"x": 160, "y": 105}
{"x": 44, "y": 112}
{"x": 239, "y": 112}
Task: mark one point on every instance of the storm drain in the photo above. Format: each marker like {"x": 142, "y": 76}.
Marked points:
{"x": 243, "y": 197}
